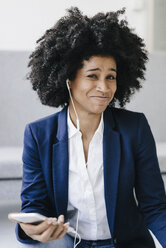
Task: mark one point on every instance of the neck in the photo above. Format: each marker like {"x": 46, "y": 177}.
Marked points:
{"x": 88, "y": 122}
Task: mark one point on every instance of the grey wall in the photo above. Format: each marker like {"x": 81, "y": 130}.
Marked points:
{"x": 151, "y": 99}
{"x": 19, "y": 104}
{"x": 159, "y": 30}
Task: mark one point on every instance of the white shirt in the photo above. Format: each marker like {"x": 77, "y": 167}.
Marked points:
{"x": 86, "y": 185}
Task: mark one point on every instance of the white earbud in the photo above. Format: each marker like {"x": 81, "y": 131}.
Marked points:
{"x": 78, "y": 123}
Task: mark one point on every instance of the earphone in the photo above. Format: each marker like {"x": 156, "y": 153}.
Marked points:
{"x": 78, "y": 123}
{"x": 75, "y": 244}
{"x": 70, "y": 229}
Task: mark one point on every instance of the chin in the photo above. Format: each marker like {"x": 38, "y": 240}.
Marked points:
{"x": 99, "y": 109}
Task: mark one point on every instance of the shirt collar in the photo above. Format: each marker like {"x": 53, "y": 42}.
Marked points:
{"x": 72, "y": 130}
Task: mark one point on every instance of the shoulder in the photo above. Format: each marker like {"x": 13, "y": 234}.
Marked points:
{"x": 45, "y": 127}
{"x": 126, "y": 115}
{"x": 128, "y": 120}
{"x": 122, "y": 111}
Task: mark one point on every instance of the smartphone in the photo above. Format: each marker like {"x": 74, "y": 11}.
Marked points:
{"x": 26, "y": 217}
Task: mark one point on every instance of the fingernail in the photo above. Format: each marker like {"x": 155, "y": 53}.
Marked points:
{"x": 61, "y": 218}
{"x": 49, "y": 221}
{"x": 67, "y": 224}
{"x": 54, "y": 221}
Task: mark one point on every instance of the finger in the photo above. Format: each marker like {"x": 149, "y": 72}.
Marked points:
{"x": 61, "y": 219}
{"x": 66, "y": 225}
{"x": 58, "y": 230}
{"x": 60, "y": 226}
{"x": 45, "y": 236}
{"x": 57, "y": 225}
{"x": 31, "y": 229}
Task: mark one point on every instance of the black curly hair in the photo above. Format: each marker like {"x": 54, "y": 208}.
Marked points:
{"x": 75, "y": 38}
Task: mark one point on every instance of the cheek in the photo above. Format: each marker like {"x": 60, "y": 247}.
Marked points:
{"x": 113, "y": 88}
{"x": 80, "y": 92}
{"x": 83, "y": 89}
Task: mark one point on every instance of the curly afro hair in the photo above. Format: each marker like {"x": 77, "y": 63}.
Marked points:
{"x": 75, "y": 38}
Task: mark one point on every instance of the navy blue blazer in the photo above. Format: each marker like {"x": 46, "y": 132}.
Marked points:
{"x": 134, "y": 190}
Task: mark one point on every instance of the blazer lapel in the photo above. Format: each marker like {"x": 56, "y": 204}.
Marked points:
{"x": 60, "y": 163}
{"x": 111, "y": 161}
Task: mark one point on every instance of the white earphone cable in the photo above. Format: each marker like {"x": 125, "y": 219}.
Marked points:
{"x": 78, "y": 124}
{"x": 78, "y": 127}
{"x": 76, "y": 233}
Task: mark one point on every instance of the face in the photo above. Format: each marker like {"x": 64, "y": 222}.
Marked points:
{"x": 95, "y": 85}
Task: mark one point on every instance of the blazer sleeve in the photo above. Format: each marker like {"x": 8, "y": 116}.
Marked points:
{"x": 33, "y": 193}
{"x": 149, "y": 186}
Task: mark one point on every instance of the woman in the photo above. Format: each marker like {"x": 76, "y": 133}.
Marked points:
{"x": 91, "y": 164}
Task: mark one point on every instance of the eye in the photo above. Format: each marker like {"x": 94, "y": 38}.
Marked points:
{"x": 92, "y": 76}
{"x": 111, "y": 77}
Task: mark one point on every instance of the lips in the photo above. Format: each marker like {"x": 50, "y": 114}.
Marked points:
{"x": 100, "y": 98}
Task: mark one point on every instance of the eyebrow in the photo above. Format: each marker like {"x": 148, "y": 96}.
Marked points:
{"x": 95, "y": 69}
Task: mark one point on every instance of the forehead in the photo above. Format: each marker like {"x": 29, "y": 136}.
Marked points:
{"x": 99, "y": 61}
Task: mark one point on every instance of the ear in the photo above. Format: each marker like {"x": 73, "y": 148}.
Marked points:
{"x": 69, "y": 84}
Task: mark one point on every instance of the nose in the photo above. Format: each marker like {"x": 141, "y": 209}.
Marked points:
{"x": 102, "y": 86}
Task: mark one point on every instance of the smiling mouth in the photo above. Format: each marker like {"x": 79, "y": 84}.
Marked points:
{"x": 100, "y": 98}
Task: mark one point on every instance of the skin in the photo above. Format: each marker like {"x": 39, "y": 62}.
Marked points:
{"x": 91, "y": 91}
{"x": 48, "y": 230}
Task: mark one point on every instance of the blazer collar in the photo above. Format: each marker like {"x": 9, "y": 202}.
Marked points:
{"x": 62, "y": 132}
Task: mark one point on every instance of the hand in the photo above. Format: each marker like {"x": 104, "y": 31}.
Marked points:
{"x": 50, "y": 229}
